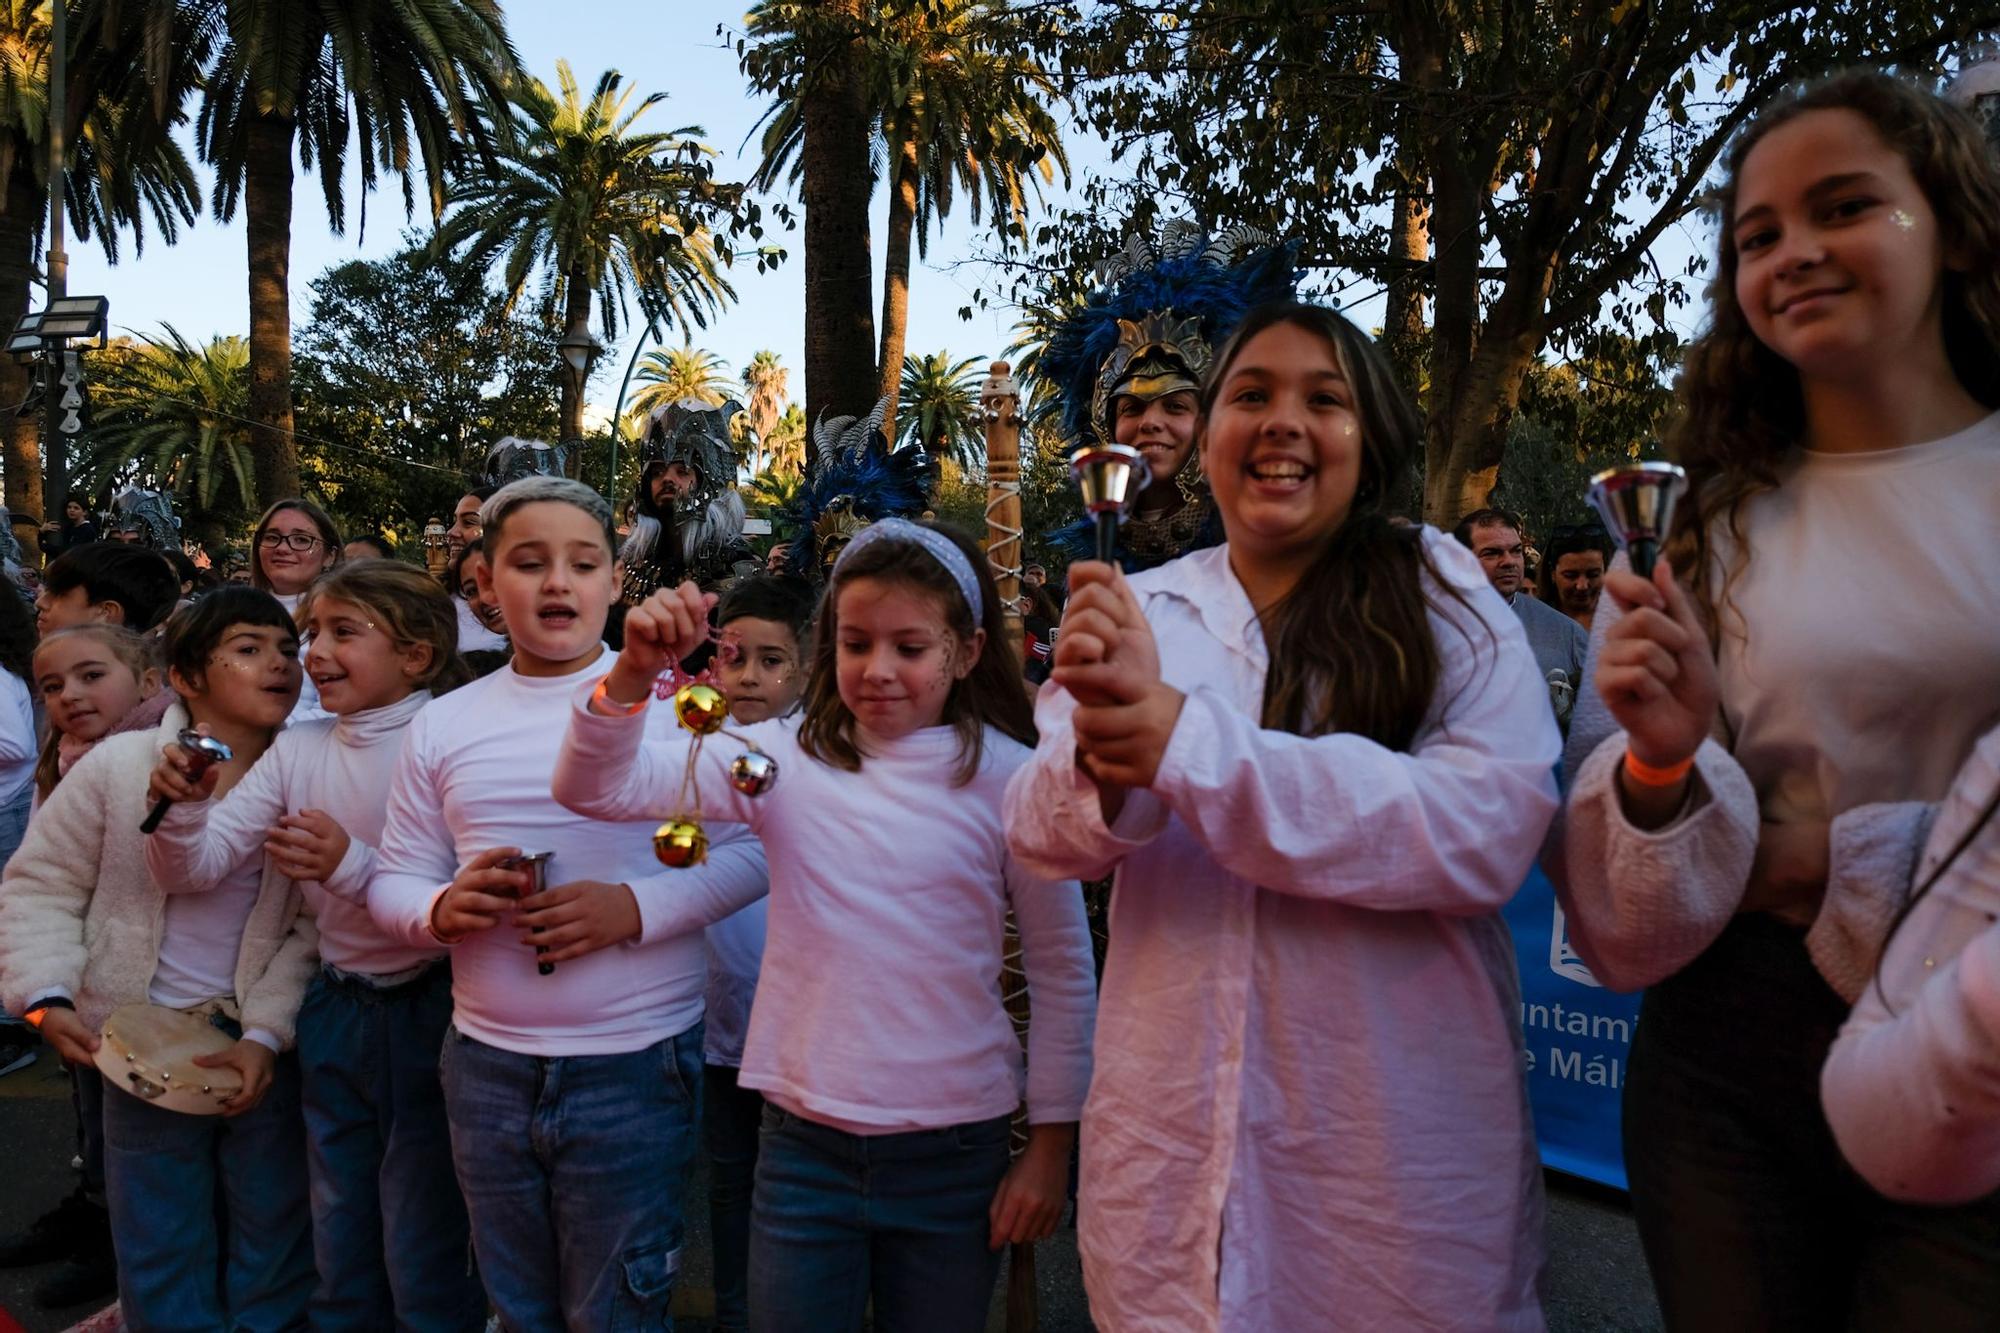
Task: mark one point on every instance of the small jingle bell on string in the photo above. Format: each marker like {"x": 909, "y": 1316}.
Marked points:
{"x": 753, "y": 773}
{"x": 680, "y": 843}
{"x": 702, "y": 709}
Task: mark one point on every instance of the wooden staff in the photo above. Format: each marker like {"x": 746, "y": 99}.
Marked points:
{"x": 1000, "y": 404}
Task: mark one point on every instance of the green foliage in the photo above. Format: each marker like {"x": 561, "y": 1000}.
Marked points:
{"x": 578, "y": 195}
{"x": 961, "y": 499}
{"x": 763, "y": 403}
{"x": 954, "y": 76}
{"x": 939, "y": 408}
{"x": 672, "y": 374}
{"x": 785, "y": 446}
{"x": 397, "y": 80}
{"x": 171, "y": 416}
{"x": 408, "y": 370}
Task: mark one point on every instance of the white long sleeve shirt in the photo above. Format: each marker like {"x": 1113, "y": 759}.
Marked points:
{"x": 475, "y": 775}
{"x": 879, "y": 1008}
{"x": 341, "y": 765}
{"x": 1912, "y": 1085}
{"x": 18, "y": 744}
{"x": 1309, "y": 1109}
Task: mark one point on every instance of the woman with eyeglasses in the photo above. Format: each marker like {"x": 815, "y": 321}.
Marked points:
{"x": 294, "y": 543}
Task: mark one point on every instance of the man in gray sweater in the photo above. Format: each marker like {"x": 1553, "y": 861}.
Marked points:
{"x": 1559, "y": 643}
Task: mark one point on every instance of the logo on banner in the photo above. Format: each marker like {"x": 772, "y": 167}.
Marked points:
{"x": 1564, "y": 961}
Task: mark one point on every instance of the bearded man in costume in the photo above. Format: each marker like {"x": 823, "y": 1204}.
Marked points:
{"x": 687, "y": 513}
{"x": 1129, "y": 365}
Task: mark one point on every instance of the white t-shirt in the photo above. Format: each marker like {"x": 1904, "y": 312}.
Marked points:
{"x": 17, "y": 735}
{"x": 200, "y": 936}
{"x": 474, "y": 775}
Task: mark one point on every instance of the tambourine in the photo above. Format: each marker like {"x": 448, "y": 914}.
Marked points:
{"x": 149, "y": 1051}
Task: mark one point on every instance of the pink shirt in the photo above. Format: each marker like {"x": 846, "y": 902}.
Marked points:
{"x": 1309, "y": 1109}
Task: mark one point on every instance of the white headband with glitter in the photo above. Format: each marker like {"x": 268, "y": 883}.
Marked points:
{"x": 938, "y": 546}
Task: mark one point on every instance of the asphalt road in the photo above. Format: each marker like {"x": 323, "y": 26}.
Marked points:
{"x": 1596, "y": 1280}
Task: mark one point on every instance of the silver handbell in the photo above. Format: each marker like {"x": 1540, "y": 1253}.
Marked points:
{"x": 1110, "y": 477}
{"x": 1637, "y": 505}
{"x": 753, "y": 773}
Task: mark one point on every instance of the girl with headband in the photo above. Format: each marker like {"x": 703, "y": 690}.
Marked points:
{"x": 878, "y": 1035}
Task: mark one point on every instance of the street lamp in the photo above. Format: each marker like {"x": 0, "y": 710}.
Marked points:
{"x": 578, "y": 350}
{"x": 47, "y": 333}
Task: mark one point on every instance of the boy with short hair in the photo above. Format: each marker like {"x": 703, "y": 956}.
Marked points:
{"x": 107, "y": 582}
{"x": 571, "y": 1094}
{"x": 761, "y": 664}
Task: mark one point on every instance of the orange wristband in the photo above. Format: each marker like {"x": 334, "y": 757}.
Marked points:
{"x": 1646, "y": 775}
{"x": 602, "y": 704}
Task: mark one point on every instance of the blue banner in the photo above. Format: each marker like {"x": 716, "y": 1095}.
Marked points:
{"x": 1578, "y": 1037}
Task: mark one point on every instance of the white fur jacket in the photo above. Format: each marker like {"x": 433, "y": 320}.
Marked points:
{"x": 80, "y": 914}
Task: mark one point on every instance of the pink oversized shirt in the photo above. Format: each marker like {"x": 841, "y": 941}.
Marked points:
{"x": 1308, "y": 1109}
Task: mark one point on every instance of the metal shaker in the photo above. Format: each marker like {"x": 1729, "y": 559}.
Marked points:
{"x": 537, "y": 866}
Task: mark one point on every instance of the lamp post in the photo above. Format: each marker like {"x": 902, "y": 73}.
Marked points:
{"x": 47, "y": 333}
{"x": 651, "y": 335}
{"x": 578, "y": 350}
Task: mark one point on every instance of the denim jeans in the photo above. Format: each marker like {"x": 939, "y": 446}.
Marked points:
{"x": 731, "y": 1116}
{"x": 1749, "y": 1218}
{"x": 208, "y": 1213}
{"x": 573, "y": 1169}
{"x": 389, "y": 1232}
{"x": 86, "y": 1098}
{"x": 840, "y": 1217}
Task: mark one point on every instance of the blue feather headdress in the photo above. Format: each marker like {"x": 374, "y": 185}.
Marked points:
{"x": 855, "y": 479}
{"x": 1158, "y": 314}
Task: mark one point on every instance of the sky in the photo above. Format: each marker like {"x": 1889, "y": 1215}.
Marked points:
{"x": 199, "y": 285}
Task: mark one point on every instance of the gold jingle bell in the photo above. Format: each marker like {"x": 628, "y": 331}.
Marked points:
{"x": 702, "y": 709}
{"x": 753, "y": 773}
{"x": 680, "y": 843}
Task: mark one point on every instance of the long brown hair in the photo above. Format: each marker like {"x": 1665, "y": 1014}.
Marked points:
{"x": 328, "y": 533}
{"x": 1742, "y": 407}
{"x": 408, "y": 605}
{"x": 992, "y": 694}
{"x": 1350, "y": 646}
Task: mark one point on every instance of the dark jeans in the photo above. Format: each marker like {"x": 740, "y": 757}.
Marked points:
{"x": 902, "y": 1217}
{"x": 389, "y": 1230}
{"x": 1749, "y": 1217}
{"x": 86, "y": 1097}
{"x": 573, "y": 1169}
{"x": 208, "y": 1213}
{"x": 731, "y": 1116}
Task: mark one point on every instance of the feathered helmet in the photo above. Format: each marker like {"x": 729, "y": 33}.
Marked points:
{"x": 697, "y": 434}
{"x": 856, "y": 478}
{"x": 148, "y": 513}
{"x": 1160, "y": 309}
{"x": 512, "y": 459}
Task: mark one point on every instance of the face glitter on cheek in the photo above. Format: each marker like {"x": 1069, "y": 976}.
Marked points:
{"x": 1903, "y": 220}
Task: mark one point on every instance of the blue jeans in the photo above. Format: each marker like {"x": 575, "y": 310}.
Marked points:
{"x": 208, "y": 1213}
{"x": 839, "y": 1217}
{"x": 730, "y": 1117}
{"x": 573, "y": 1169}
{"x": 389, "y": 1231}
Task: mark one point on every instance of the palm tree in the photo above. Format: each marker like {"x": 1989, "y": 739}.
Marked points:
{"x": 130, "y": 71}
{"x": 785, "y": 445}
{"x": 403, "y": 78}
{"x": 673, "y": 374}
{"x": 764, "y": 401}
{"x": 602, "y": 211}
{"x": 811, "y": 54}
{"x": 957, "y": 107}
{"x": 939, "y": 407}
{"x": 171, "y": 416}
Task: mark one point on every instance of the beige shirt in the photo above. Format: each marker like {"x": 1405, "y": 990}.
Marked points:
{"x": 1872, "y": 664}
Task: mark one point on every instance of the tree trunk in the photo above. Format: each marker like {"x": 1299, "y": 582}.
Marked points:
{"x": 896, "y": 273}
{"x": 576, "y": 315}
{"x": 267, "y": 211}
{"x": 837, "y": 180}
{"x": 20, "y": 432}
{"x": 1403, "y": 317}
